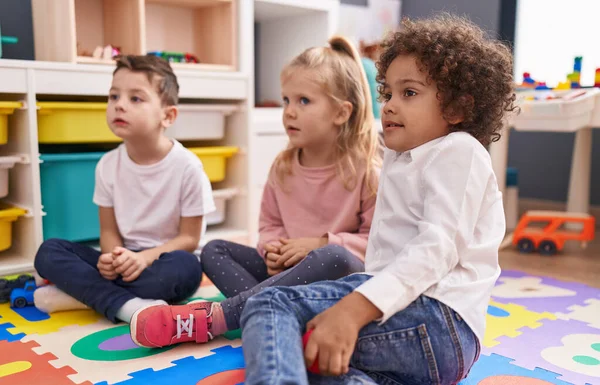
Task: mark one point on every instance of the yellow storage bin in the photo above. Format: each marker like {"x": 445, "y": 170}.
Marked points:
{"x": 214, "y": 160}
{"x": 6, "y": 108}
{"x": 66, "y": 122}
{"x": 8, "y": 214}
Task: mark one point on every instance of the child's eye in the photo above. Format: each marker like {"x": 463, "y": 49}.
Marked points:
{"x": 113, "y": 97}
{"x": 409, "y": 93}
{"x": 304, "y": 100}
{"x": 386, "y": 96}
{"x": 286, "y": 101}
{"x": 136, "y": 99}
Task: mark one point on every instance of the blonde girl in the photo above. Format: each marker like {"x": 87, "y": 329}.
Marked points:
{"x": 316, "y": 208}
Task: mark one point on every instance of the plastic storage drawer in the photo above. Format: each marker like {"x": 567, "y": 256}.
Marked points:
{"x": 66, "y": 122}
{"x": 214, "y": 160}
{"x": 200, "y": 122}
{"x": 6, "y": 108}
{"x": 6, "y": 163}
{"x": 8, "y": 215}
{"x": 67, "y": 182}
{"x": 220, "y": 197}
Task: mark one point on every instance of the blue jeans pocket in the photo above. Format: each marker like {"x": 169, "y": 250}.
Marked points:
{"x": 405, "y": 353}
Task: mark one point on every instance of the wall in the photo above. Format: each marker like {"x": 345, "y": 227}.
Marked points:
{"x": 15, "y": 20}
{"x": 484, "y": 13}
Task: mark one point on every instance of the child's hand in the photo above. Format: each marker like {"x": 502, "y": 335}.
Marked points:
{"x": 106, "y": 268}
{"x": 295, "y": 250}
{"x": 272, "y": 258}
{"x": 333, "y": 339}
{"x": 128, "y": 263}
{"x": 273, "y": 265}
{"x": 273, "y": 247}
{"x": 335, "y": 332}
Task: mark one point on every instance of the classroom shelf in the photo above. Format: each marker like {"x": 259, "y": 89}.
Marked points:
{"x": 203, "y": 28}
{"x": 70, "y": 30}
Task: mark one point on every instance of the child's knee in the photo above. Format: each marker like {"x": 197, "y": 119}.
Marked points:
{"x": 189, "y": 265}
{"x": 46, "y": 251}
{"x": 331, "y": 258}
{"x": 259, "y": 302}
{"x": 212, "y": 247}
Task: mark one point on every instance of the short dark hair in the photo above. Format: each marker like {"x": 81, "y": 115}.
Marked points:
{"x": 473, "y": 72}
{"x": 155, "y": 68}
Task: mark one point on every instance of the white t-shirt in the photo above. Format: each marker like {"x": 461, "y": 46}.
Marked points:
{"x": 149, "y": 200}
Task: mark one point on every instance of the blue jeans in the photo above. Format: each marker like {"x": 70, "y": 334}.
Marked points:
{"x": 72, "y": 268}
{"x": 426, "y": 343}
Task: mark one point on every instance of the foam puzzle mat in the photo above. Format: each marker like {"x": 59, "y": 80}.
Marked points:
{"x": 539, "y": 331}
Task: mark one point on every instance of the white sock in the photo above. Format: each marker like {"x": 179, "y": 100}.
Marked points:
{"x": 126, "y": 311}
{"x": 50, "y": 299}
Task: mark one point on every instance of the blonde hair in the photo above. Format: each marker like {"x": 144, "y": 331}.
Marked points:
{"x": 342, "y": 76}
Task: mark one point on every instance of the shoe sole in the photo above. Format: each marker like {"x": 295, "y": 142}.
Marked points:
{"x": 133, "y": 327}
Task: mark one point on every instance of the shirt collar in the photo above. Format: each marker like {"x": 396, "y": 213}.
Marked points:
{"x": 420, "y": 151}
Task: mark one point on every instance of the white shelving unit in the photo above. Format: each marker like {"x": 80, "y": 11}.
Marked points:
{"x": 283, "y": 29}
{"x": 28, "y": 81}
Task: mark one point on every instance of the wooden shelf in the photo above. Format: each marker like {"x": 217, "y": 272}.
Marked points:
{"x": 207, "y": 29}
{"x": 54, "y": 78}
{"x": 11, "y": 263}
{"x": 203, "y": 28}
{"x": 204, "y": 67}
{"x": 93, "y": 60}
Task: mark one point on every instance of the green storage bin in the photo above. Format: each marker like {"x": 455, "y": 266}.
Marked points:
{"x": 67, "y": 182}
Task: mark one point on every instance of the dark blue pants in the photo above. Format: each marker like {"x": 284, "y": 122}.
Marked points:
{"x": 72, "y": 268}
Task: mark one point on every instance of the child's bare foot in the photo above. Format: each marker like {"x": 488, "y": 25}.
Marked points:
{"x": 164, "y": 325}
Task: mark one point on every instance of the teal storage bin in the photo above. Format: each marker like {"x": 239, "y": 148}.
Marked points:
{"x": 67, "y": 182}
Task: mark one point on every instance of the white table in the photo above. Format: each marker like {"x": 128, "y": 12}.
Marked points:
{"x": 578, "y": 115}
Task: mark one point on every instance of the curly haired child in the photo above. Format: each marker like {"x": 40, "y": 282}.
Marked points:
{"x": 417, "y": 314}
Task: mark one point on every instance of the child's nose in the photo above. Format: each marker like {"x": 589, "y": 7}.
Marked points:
{"x": 290, "y": 111}
{"x": 389, "y": 107}
{"x": 120, "y": 104}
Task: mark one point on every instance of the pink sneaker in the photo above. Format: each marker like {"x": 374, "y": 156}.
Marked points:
{"x": 163, "y": 325}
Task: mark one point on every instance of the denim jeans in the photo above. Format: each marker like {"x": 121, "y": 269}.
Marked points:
{"x": 72, "y": 268}
{"x": 426, "y": 343}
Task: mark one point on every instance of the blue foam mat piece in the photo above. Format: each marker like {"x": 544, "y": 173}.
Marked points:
{"x": 189, "y": 370}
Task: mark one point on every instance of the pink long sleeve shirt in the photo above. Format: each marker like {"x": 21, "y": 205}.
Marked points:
{"x": 315, "y": 204}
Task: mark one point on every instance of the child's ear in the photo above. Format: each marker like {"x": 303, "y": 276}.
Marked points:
{"x": 170, "y": 114}
{"x": 455, "y": 113}
{"x": 343, "y": 113}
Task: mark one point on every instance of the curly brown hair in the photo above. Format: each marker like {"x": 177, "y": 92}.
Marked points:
{"x": 473, "y": 72}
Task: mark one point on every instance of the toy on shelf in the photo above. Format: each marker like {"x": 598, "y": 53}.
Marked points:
{"x": 100, "y": 53}
{"x": 597, "y": 78}
{"x": 20, "y": 298}
{"x": 6, "y": 40}
{"x": 175, "y": 57}
{"x": 553, "y": 229}
{"x": 8, "y": 284}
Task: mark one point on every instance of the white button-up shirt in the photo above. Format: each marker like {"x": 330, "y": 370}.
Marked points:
{"x": 436, "y": 230}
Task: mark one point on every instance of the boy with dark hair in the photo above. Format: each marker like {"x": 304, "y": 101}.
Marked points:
{"x": 152, "y": 195}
